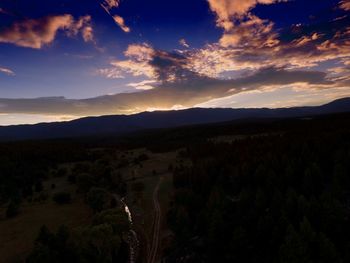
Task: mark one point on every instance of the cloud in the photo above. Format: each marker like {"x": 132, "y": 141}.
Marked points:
{"x": 36, "y": 33}
{"x": 144, "y": 60}
{"x": 3, "y": 11}
{"x": 139, "y": 52}
{"x": 88, "y": 34}
{"x": 345, "y": 4}
{"x": 244, "y": 33}
{"x": 110, "y": 73}
{"x": 229, "y": 10}
{"x": 108, "y": 6}
{"x": 121, "y": 23}
{"x": 137, "y": 63}
{"x": 84, "y": 25}
{"x": 285, "y": 96}
{"x": 302, "y": 41}
{"x": 143, "y": 85}
{"x": 308, "y": 47}
{"x": 252, "y": 31}
{"x": 166, "y": 95}
{"x": 7, "y": 71}
{"x": 255, "y": 44}
{"x": 171, "y": 67}
{"x": 260, "y": 57}
{"x": 183, "y": 43}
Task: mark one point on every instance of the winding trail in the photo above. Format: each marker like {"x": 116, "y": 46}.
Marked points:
{"x": 156, "y": 225}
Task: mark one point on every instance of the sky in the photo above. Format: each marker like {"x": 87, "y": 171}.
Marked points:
{"x": 66, "y": 59}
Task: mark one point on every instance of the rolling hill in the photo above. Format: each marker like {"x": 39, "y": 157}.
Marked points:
{"x": 122, "y": 124}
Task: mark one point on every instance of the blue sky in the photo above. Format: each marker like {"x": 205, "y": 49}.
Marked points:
{"x": 66, "y": 59}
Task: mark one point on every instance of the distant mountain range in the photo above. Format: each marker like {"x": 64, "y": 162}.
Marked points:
{"x": 122, "y": 124}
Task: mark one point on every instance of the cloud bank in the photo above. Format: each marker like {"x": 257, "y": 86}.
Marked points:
{"x": 182, "y": 93}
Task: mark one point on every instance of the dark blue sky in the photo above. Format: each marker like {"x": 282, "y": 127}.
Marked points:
{"x": 78, "y": 49}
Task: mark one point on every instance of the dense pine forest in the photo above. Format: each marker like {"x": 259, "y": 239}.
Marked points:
{"x": 280, "y": 197}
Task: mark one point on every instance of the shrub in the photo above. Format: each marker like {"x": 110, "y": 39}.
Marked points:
{"x": 12, "y": 209}
{"x": 62, "y": 198}
{"x": 97, "y": 198}
{"x": 72, "y": 178}
{"x": 138, "y": 187}
{"x": 62, "y": 171}
{"x": 39, "y": 187}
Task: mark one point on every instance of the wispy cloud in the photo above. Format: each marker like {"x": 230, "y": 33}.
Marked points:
{"x": 2, "y": 11}
{"x": 108, "y": 6}
{"x": 184, "y": 43}
{"x": 144, "y": 85}
{"x": 5, "y": 12}
{"x": 36, "y": 33}
{"x": 121, "y": 23}
{"x": 7, "y": 71}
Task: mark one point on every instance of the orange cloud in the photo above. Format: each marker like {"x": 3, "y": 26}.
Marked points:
{"x": 36, "y": 33}
{"x": 306, "y": 39}
{"x": 137, "y": 63}
{"x": 252, "y": 31}
{"x": 88, "y": 34}
{"x": 226, "y": 10}
{"x": 345, "y": 4}
{"x": 254, "y": 43}
{"x": 121, "y": 23}
{"x": 139, "y": 51}
{"x": 108, "y": 5}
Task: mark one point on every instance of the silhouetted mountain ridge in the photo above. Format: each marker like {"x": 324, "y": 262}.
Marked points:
{"x": 122, "y": 124}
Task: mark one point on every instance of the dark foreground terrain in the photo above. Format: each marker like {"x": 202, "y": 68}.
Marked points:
{"x": 257, "y": 190}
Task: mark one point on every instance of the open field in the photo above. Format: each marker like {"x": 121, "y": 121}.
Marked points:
{"x": 17, "y": 234}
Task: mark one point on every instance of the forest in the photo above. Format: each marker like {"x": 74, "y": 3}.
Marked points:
{"x": 281, "y": 197}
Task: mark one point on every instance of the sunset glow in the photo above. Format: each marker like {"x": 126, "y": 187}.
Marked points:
{"x": 89, "y": 58}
